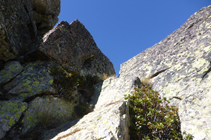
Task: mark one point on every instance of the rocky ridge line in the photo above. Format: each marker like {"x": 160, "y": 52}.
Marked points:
{"x": 178, "y": 67}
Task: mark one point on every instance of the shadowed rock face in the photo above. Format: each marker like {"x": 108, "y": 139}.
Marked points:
{"x": 73, "y": 47}
{"x": 21, "y": 24}
{"x": 45, "y": 14}
{"x": 27, "y": 83}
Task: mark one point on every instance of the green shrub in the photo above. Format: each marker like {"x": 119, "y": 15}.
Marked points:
{"x": 151, "y": 116}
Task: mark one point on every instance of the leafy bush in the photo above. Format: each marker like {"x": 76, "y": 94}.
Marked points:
{"x": 151, "y": 116}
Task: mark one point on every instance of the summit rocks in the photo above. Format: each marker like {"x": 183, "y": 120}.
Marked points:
{"x": 72, "y": 46}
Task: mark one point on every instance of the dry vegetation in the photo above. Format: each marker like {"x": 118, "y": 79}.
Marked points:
{"x": 105, "y": 76}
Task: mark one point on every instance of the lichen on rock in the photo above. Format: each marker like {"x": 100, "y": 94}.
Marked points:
{"x": 33, "y": 80}
{"x": 11, "y": 69}
{"x": 47, "y": 111}
{"x": 10, "y": 113}
{"x": 22, "y": 23}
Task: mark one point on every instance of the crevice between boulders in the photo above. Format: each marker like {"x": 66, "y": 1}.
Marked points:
{"x": 206, "y": 72}
{"x": 157, "y": 73}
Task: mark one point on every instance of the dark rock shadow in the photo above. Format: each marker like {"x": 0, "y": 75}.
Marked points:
{"x": 96, "y": 95}
{"x": 49, "y": 134}
{"x": 53, "y": 132}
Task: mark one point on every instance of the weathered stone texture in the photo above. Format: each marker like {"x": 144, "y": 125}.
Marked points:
{"x": 29, "y": 79}
{"x": 179, "y": 67}
{"x": 45, "y": 14}
{"x": 47, "y": 111}
{"x": 33, "y": 80}
{"x": 11, "y": 69}
{"x": 109, "y": 120}
{"x": 21, "y": 23}
{"x": 10, "y": 113}
{"x": 73, "y": 47}
{"x": 31, "y": 102}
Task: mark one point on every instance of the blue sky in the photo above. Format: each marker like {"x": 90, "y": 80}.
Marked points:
{"x": 122, "y": 28}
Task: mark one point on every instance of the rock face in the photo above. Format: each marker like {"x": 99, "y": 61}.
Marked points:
{"x": 48, "y": 111}
{"x": 45, "y": 14}
{"x": 178, "y": 67}
{"x": 10, "y": 115}
{"x": 109, "y": 120}
{"x": 34, "y": 79}
{"x": 50, "y": 85}
{"x": 21, "y": 24}
{"x": 12, "y": 69}
{"x": 74, "y": 48}
{"x": 44, "y": 84}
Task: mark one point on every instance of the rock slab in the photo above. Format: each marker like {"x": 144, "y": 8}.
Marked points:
{"x": 178, "y": 67}
{"x": 72, "y": 46}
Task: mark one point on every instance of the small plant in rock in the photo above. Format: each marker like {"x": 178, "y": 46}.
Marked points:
{"x": 151, "y": 116}
{"x": 105, "y": 76}
{"x": 74, "y": 88}
{"x": 64, "y": 82}
{"x": 67, "y": 83}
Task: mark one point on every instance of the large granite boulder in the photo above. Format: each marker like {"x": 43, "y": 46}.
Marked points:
{"x": 33, "y": 80}
{"x": 47, "y": 111}
{"x": 73, "y": 47}
{"x": 178, "y": 67}
{"x": 21, "y": 24}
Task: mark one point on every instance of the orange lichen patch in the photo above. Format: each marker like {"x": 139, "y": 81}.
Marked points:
{"x": 105, "y": 76}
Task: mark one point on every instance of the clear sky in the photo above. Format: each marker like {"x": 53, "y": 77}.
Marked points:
{"x": 124, "y": 28}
